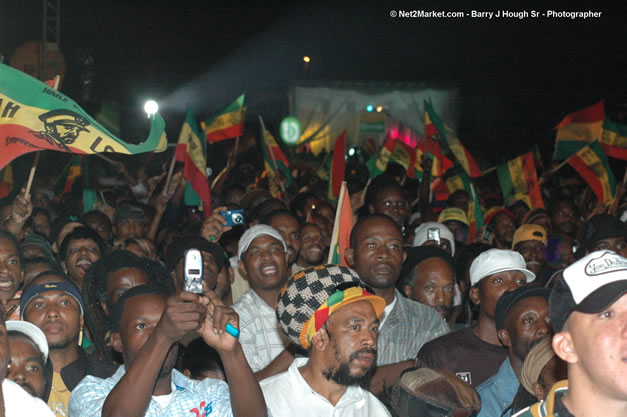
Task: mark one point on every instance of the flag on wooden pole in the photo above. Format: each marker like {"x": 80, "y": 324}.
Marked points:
{"x": 340, "y": 239}
{"x": 191, "y": 150}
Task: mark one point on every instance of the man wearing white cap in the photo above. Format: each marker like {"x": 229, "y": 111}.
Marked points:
{"x": 28, "y": 357}
{"x": 476, "y": 353}
{"x": 14, "y": 401}
{"x": 435, "y": 234}
{"x": 588, "y": 309}
{"x": 262, "y": 254}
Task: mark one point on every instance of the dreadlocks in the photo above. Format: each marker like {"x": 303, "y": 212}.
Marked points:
{"x": 95, "y": 291}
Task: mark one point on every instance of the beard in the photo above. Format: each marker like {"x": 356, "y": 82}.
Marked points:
{"x": 342, "y": 374}
{"x": 62, "y": 344}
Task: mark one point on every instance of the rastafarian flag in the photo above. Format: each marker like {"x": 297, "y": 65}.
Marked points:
{"x": 35, "y": 117}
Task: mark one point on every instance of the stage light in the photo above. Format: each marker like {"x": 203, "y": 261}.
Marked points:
{"x": 151, "y": 107}
{"x": 369, "y": 108}
{"x": 306, "y": 59}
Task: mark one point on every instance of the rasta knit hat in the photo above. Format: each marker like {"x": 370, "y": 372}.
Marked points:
{"x": 312, "y": 295}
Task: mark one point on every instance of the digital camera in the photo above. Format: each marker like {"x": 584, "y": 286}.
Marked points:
{"x": 233, "y": 217}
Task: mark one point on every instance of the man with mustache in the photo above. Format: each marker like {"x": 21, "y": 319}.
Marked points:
{"x": 288, "y": 225}
{"x": 311, "y": 247}
{"x": 429, "y": 277}
{"x": 328, "y": 311}
{"x": 263, "y": 256}
{"x": 376, "y": 253}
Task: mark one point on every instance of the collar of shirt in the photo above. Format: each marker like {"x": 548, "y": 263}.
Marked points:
{"x": 387, "y": 310}
{"x": 303, "y": 390}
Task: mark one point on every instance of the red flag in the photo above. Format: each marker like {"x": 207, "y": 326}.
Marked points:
{"x": 338, "y": 166}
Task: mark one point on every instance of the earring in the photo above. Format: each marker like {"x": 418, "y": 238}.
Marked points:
{"x": 80, "y": 337}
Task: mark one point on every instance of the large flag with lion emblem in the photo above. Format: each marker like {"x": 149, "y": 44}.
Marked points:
{"x": 35, "y": 117}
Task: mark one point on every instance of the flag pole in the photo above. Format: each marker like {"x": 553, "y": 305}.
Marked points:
{"x": 32, "y": 175}
{"x": 552, "y": 171}
{"x": 104, "y": 158}
{"x": 269, "y": 148}
{"x": 164, "y": 192}
{"x": 336, "y": 223}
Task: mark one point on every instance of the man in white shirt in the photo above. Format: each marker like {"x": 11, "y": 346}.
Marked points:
{"x": 329, "y": 312}
{"x": 263, "y": 260}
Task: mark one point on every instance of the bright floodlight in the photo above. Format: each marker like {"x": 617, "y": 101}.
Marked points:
{"x": 151, "y": 107}
{"x": 306, "y": 59}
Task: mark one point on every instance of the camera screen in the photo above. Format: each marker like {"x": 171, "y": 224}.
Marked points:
{"x": 193, "y": 271}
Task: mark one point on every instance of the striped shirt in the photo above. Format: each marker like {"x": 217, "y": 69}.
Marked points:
{"x": 406, "y": 328}
{"x": 260, "y": 335}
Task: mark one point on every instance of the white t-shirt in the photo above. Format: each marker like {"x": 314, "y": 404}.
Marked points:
{"x": 289, "y": 395}
{"x": 386, "y": 312}
{"x": 18, "y": 402}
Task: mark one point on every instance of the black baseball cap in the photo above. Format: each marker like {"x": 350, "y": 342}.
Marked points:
{"x": 510, "y": 298}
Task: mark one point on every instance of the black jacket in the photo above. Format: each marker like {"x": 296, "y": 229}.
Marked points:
{"x": 83, "y": 366}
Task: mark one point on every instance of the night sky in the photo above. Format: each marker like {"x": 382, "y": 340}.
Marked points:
{"x": 516, "y": 78}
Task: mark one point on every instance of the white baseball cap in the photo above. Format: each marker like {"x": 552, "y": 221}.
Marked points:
{"x": 421, "y": 234}
{"x": 256, "y": 231}
{"x": 494, "y": 261}
{"x": 589, "y": 285}
{"x": 31, "y": 331}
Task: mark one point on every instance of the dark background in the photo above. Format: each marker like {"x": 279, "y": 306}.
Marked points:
{"x": 516, "y": 78}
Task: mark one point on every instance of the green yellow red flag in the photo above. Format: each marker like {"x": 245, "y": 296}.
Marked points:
{"x": 591, "y": 163}
{"x": 519, "y": 181}
{"x": 582, "y": 127}
{"x": 393, "y": 150}
{"x": 340, "y": 239}
{"x": 228, "y": 123}
{"x": 451, "y": 145}
{"x": 34, "y": 117}
{"x": 614, "y": 139}
{"x": 274, "y": 160}
{"x": 338, "y": 167}
{"x": 190, "y": 149}
{"x": 432, "y": 148}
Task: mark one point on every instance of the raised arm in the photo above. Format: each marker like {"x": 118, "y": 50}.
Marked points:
{"x": 246, "y": 396}
{"x": 131, "y": 395}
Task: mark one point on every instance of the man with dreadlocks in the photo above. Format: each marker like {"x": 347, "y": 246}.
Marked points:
{"x": 106, "y": 281}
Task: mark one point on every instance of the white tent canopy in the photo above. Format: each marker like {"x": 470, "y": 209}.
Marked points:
{"x": 325, "y": 110}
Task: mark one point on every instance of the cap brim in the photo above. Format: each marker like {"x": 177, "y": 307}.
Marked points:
{"x": 602, "y": 297}
{"x": 32, "y": 331}
{"x": 529, "y": 276}
{"x": 377, "y": 303}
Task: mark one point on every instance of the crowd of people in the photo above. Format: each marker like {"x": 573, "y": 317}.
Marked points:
{"x": 527, "y": 318}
